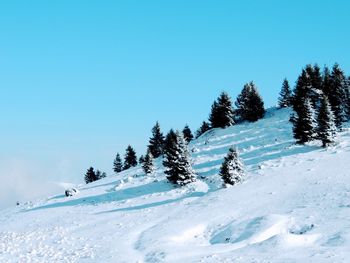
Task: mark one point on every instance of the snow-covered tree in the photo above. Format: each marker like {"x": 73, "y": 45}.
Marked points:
{"x": 232, "y": 169}
{"x": 100, "y": 175}
{"x": 250, "y": 106}
{"x": 90, "y": 175}
{"x": 177, "y": 162}
{"x": 203, "y": 129}
{"x": 326, "y": 130}
{"x": 285, "y": 99}
{"x": 142, "y": 159}
{"x": 304, "y": 123}
{"x": 221, "y": 115}
{"x": 117, "y": 164}
{"x": 147, "y": 165}
{"x": 170, "y": 141}
{"x": 187, "y": 134}
{"x": 156, "y": 142}
{"x": 130, "y": 159}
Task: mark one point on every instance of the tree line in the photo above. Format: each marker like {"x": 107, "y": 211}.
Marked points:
{"x": 320, "y": 103}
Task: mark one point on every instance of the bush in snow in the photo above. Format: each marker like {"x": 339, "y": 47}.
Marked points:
{"x": 147, "y": 165}
{"x": 177, "y": 160}
{"x": 71, "y": 192}
{"x": 232, "y": 169}
{"x": 92, "y": 176}
{"x": 203, "y": 129}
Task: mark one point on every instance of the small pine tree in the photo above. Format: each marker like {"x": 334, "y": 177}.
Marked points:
{"x": 177, "y": 162}
{"x": 117, "y": 164}
{"x": 232, "y": 169}
{"x": 304, "y": 123}
{"x": 148, "y": 166}
{"x": 187, "y": 134}
{"x": 141, "y": 159}
{"x": 130, "y": 159}
{"x": 100, "y": 175}
{"x": 90, "y": 176}
{"x": 285, "y": 99}
{"x": 250, "y": 106}
{"x": 221, "y": 115}
{"x": 326, "y": 130}
{"x": 156, "y": 142}
{"x": 203, "y": 129}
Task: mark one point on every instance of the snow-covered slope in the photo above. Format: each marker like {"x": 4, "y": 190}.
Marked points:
{"x": 294, "y": 206}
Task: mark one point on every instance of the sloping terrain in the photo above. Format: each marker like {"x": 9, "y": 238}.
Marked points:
{"x": 294, "y": 206}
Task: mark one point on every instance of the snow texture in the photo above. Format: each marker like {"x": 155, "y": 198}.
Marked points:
{"x": 293, "y": 206}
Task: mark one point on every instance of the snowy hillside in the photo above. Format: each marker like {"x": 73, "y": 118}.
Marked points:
{"x": 294, "y": 206}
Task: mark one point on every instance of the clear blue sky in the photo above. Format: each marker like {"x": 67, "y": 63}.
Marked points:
{"x": 79, "y": 80}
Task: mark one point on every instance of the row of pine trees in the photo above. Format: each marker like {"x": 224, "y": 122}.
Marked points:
{"x": 320, "y": 103}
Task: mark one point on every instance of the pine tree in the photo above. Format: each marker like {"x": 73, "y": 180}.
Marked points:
{"x": 90, "y": 176}
{"x": 250, "y": 106}
{"x": 148, "y": 166}
{"x": 232, "y": 169}
{"x": 130, "y": 159}
{"x": 100, "y": 175}
{"x": 177, "y": 162}
{"x": 347, "y": 99}
{"x": 156, "y": 142}
{"x": 221, "y": 115}
{"x": 285, "y": 99}
{"x": 142, "y": 159}
{"x": 203, "y": 129}
{"x": 315, "y": 93}
{"x": 170, "y": 141}
{"x": 326, "y": 130}
{"x": 117, "y": 164}
{"x": 337, "y": 95}
{"x": 187, "y": 134}
{"x": 304, "y": 123}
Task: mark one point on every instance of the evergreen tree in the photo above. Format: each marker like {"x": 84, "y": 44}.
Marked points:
{"x": 117, "y": 164}
{"x": 250, "y": 106}
{"x": 232, "y": 169}
{"x": 130, "y": 159}
{"x": 315, "y": 93}
{"x": 142, "y": 159}
{"x": 326, "y": 130}
{"x": 347, "y": 99}
{"x": 337, "y": 95}
{"x": 221, "y": 115}
{"x": 148, "y": 166}
{"x": 177, "y": 162}
{"x": 302, "y": 91}
{"x": 100, "y": 175}
{"x": 285, "y": 99}
{"x": 203, "y": 129}
{"x": 304, "y": 123}
{"x": 170, "y": 141}
{"x": 90, "y": 176}
{"x": 187, "y": 134}
{"x": 156, "y": 142}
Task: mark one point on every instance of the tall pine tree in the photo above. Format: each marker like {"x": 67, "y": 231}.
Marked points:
{"x": 117, "y": 164}
{"x": 232, "y": 169}
{"x": 170, "y": 141}
{"x": 156, "y": 142}
{"x": 221, "y": 115}
{"x": 285, "y": 99}
{"x": 326, "y": 130}
{"x": 187, "y": 134}
{"x": 177, "y": 162}
{"x": 130, "y": 159}
{"x": 203, "y": 129}
{"x": 250, "y": 106}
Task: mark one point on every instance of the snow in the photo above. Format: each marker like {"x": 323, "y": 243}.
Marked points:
{"x": 293, "y": 206}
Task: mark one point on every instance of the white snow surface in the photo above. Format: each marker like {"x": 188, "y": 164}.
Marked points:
{"x": 293, "y": 206}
